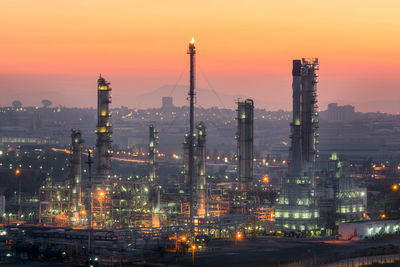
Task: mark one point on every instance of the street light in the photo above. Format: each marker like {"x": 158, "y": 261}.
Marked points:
{"x": 395, "y": 187}
{"x": 193, "y": 249}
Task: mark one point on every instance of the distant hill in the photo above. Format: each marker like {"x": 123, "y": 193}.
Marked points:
{"x": 204, "y": 97}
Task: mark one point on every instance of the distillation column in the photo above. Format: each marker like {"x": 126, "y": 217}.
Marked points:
{"x": 245, "y": 117}
{"x": 297, "y": 208}
{"x": 309, "y": 112}
{"x": 153, "y": 141}
{"x": 75, "y": 177}
{"x": 103, "y": 142}
{"x": 153, "y": 181}
{"x": 201, "y": 171}
{"x": 295, "y": 154}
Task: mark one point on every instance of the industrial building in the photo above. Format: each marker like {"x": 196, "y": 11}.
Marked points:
{"x": 313, "y": 197}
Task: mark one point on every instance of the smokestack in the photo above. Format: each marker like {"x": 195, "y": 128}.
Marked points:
{"x": 245, "y": 117}
{"x": 295, "y": 153}
{"x": 103, "y": 143}
{"x": 201, "y": 171}
{"x": 192, "y": 52}
{"x": 75, "y": 176}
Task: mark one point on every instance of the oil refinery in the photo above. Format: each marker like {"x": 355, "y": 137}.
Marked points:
{"x": 103, "y": 216}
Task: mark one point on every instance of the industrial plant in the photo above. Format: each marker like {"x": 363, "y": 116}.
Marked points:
{"x": 99, "y": 214}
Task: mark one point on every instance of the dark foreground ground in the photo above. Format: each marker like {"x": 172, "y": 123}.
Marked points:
{"x": 269, "y": 251}
{"x": 260, "y": 251}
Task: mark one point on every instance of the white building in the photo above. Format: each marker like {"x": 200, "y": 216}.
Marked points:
{"x": 368, "y": 229}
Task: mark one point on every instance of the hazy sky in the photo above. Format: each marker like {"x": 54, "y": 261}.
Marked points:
{"x": 56, "y": 49}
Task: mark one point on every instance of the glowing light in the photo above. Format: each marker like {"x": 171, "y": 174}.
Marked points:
{"x": 17, "y": 171}
{"x": 395, "y": 187}
{"x": 266, "y": 179}
{"x": 238, "y": 235}
{"x": 183, "y": 238}
{"x": 83, "y": 212}
{"x": 192, "y": 41}
{"x": 383, "y": 216}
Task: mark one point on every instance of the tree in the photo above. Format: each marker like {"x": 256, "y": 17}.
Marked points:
{"x": 16, "y": 104}
{"x": 46, "y": 103}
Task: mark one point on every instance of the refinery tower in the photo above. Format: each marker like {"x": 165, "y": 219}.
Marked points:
{"x": 75, "y": 177}
{"x": 297, "y": 208}
{"x": 103, "y": 143}
{"x": 245, "y": 136}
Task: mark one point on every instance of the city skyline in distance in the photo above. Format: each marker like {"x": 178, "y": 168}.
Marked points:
{"x": 206, "y": 98}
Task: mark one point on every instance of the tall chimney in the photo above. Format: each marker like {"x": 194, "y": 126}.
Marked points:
{"x": 192, "y": 52}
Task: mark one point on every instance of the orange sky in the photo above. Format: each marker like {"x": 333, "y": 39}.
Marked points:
{"x": 244, "y": 47}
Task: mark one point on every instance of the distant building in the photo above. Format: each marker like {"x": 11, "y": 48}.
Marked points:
{"x": 337, "y": 113}
{"x": 167, "y": 102}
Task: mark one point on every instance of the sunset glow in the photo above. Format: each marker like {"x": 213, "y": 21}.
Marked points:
{"x": 242, "y": 46}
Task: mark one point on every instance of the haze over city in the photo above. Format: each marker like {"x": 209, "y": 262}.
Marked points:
{"x": 57, "y": 49}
